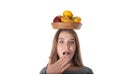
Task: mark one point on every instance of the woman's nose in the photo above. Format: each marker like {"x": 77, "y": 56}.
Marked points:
{"x": 67, "y": 45}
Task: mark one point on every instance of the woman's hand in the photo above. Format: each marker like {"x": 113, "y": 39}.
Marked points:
{"x": 60, "y": 66}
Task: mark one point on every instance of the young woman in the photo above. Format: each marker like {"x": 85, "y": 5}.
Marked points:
{"x": 65, "y": 57}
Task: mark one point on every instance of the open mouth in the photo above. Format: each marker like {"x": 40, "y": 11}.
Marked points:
{"x": 64, "y": 53}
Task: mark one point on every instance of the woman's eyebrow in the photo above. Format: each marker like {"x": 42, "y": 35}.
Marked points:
{"x": 72, "y": 39}
{"x": 61, "y": 38}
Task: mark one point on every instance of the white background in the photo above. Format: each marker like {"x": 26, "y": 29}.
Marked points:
{"x": 26, "y": 34}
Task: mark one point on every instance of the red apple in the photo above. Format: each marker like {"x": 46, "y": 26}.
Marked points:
{"x": 57, "y": 19}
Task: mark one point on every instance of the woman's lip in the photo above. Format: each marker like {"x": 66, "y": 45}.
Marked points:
{"x": 66, "y": 53}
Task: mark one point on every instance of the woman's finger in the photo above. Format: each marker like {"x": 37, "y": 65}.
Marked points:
{"x": 65, "y": 67}
{"x": 61, "y": 60}
{"x": 65, "y": 61}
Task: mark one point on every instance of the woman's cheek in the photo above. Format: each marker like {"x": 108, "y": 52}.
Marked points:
{"x": 73, "y": 51}
{"x": 59, "y": 50}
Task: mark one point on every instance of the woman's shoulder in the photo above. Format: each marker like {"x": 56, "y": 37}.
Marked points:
{"x": 43, "y": 70}
{"x": 80, "y": 70}
{"x": 87, "y": 69}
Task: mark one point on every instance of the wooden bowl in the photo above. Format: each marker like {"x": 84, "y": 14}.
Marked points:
{"x": 66, "y": 25}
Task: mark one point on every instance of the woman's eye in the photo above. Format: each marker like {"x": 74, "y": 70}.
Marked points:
{"x": 60, "y": 41}
{"x": 72, "y": 42}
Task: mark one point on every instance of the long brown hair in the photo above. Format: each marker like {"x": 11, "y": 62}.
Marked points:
{"x": 77, "y": 59}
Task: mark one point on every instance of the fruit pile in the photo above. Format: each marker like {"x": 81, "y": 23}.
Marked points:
{"x": 67, "y": 17}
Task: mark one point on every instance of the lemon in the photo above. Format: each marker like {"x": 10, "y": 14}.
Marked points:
{"x": 76, "y": 19}
{"x": 68, "y": 14}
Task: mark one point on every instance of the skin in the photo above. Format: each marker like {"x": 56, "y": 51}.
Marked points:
{"x": 66, "y": 44}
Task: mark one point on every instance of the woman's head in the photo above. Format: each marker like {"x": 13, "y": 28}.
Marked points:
{"x": 66, "y": 42}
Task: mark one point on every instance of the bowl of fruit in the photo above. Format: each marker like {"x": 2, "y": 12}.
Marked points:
{"x": 66, "y": 21}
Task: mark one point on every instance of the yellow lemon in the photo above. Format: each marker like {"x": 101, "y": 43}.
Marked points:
{"x": 68, "y": 14}
{"x": 76, "y": 19}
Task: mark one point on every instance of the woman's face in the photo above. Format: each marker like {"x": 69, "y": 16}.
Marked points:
{"x": 66, "y": 44}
